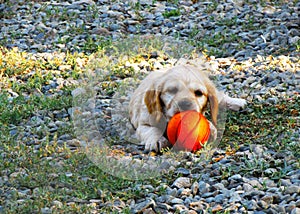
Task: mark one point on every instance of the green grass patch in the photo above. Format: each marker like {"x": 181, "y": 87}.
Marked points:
{"x": 53, "y": 173}
{"x": 168, "y": 14}
{"x": 269, "y": 125}
{"x": 14, "y": 110}
{"x": 211, "y": 6}
{"x": 216, "y": 44}
{"x": 49, "y": 171}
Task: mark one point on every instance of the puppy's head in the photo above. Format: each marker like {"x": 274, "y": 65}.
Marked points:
{"x": 180, "y": 89}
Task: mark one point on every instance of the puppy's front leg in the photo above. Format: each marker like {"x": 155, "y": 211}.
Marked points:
{"x": 213, "y": 132}
{"x": 152, "y": 137}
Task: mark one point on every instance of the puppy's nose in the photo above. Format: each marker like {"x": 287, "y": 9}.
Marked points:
{"x": 185, "y": 105}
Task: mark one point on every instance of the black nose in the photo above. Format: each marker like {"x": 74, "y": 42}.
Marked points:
{"x": 185, "y": 105}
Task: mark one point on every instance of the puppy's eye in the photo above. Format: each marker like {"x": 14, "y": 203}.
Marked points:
{"x": 172, "y": 90}
{"x": 198, "y": 93}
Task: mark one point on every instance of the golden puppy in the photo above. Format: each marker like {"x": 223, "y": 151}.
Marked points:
{"x": 164, "y": 93}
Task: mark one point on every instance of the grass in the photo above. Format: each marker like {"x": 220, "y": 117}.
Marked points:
{"x": 51, "y": 172}
{"x": 168, "y": 14}
{"x": 50, "y": 181}
{"x": 211, "y": 6}
{"x": 48, "y": 169}
{"x": 267, "y": 123}
{"x": 27, "y": 78}
{"x": 217, "y": 43}
{"x": 297, "y": 46}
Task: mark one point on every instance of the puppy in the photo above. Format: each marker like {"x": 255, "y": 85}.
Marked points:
{"x": 164, "y": 93}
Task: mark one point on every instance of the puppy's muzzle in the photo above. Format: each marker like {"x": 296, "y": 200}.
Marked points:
{"x": 185, "y": 105}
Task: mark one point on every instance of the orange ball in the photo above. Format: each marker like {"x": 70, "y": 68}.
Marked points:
{"x": 188, "y": 131}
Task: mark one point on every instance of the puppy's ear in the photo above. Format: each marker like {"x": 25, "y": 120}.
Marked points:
{"x": 213, "y": 102}
{"x": 153, "y": 103}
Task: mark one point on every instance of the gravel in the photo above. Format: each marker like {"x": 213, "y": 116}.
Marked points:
{"x": 242, "y": 35}
{"x": 260, "y": 29}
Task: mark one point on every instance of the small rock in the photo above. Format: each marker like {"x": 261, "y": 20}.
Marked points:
{"x": 236, "y": 178}
{"x": 57, "y": 204}
{"x": 176, "y": 201}
{"x": 247, "y": 187}
{"x": 164, "y": 206}
{"x": 197, "y": 205}
{"x": 272, "y": 100}
{"x": 218, "y": 186}
{"x": 296, "y": 210}
{"x": 210, "y": 200}
{"x": 184, "y": 192}
{"x": 140, "y": 207}
{"x": 235, "y": 197}
{"x": 132, "y": 29}
{"x": 290, "y": 207}
{"x": 219, "y": 198}
{"x": 250, "y": 205}
{"x": 182, "y": 182}
{"x": 46, "y": 210}
{"x": 292, "y": 189}
{"x": 217, "y": 208}
{"x": 277, "y": 208}
{"x": 183, "y": 171}
{"x": 203, "y": 187}
{"x": 263, "y": 204}
{"x": 255, "y": 184}
{"x": 268, "y": 199}
{"x": 157, "y": 65}
{"x": 191, "y": 212}
{"x": 195, "y": 188}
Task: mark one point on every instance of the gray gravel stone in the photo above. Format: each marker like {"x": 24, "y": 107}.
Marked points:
{"x": 203, "y": 187}
{"x": 292, "y": 189}
{"x": 140, "y": 207}
{"x": 182, "y": 182}
{"x": 296, "y": 210}
{"x": 176, "y": 201}
{"x": 195, "y": 188}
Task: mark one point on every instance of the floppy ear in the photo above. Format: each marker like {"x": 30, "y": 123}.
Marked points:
{"x": 213, "y": 102}
{"x": 153, "y": 103}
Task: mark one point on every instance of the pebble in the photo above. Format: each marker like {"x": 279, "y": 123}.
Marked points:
{"x": 46, "y": 210}
{"x": 296, "y": 210}
{"x": 203, "y": 187}
{"x": 182, "y": 182}
{"x": 195, "y": 188}
{"x": 57, "y": 204}
{"x": 140, "y": 207}
{"x": 292, "y": 189}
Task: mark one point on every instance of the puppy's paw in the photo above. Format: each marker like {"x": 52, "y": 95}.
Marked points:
{"x": 163, "y": 143}
{"x": 236, "y": 104}
{"x": 156, "y": 146}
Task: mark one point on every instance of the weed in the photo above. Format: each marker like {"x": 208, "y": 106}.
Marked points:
{"x": 211, "y": 6}
{"x": 297, "y": 44}
{"x": 229, "y": 22}
{"x": 215, "y": 44}
{"x": 267, "y": 124}
{"x": 168, "y": 14}
{"x": 175, "y": 2}
{"x": 92, "y": 45}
